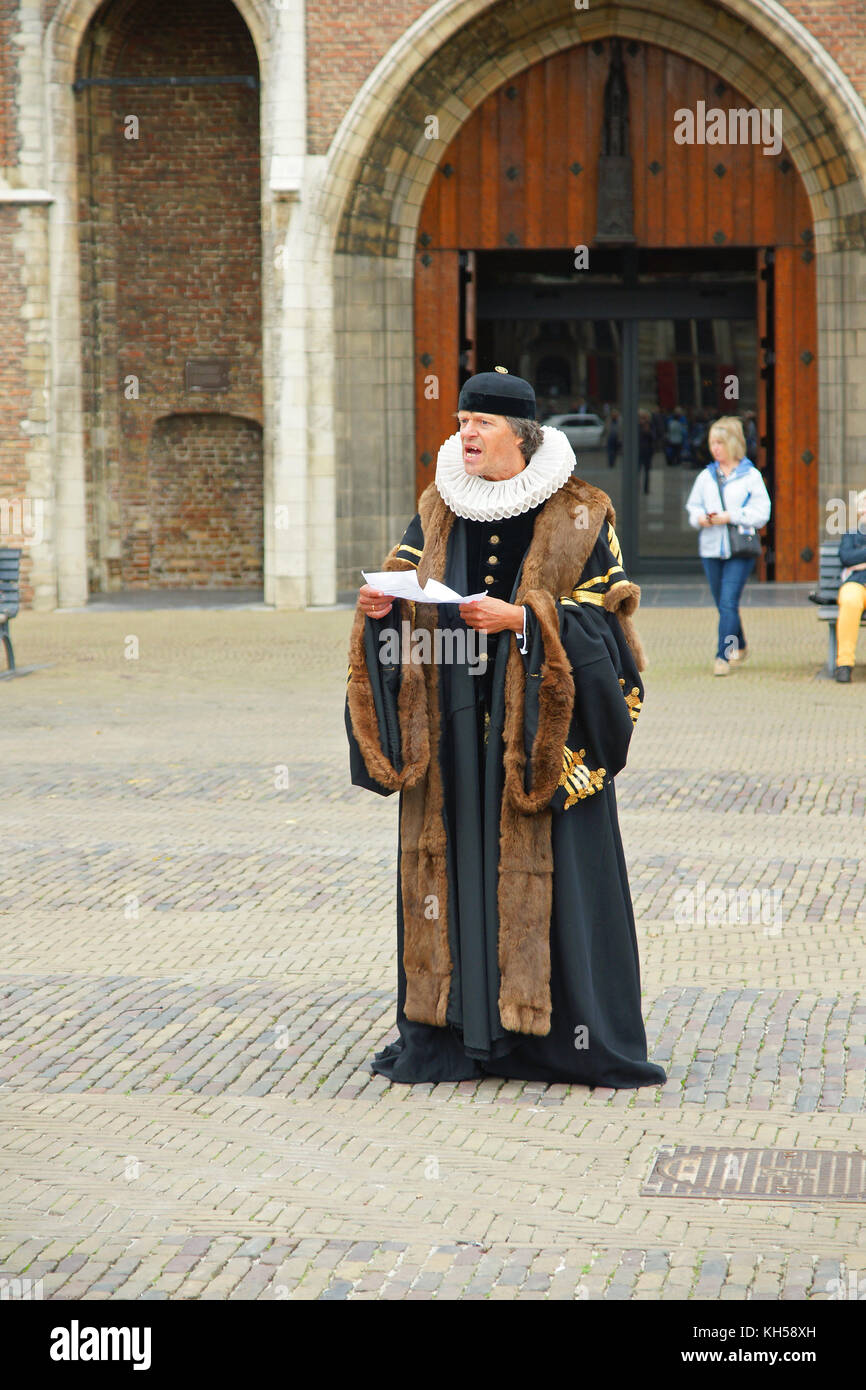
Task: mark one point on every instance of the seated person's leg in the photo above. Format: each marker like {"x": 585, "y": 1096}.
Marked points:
{"x": 852, "y": 600}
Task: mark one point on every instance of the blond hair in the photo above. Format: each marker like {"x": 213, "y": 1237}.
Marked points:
{"x": 730, "y": 429}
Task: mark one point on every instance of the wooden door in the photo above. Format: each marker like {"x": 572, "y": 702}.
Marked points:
{"x": 522, "y": 174}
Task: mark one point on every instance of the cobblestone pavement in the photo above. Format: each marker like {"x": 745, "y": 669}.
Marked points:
{"x": 197, "y": 962}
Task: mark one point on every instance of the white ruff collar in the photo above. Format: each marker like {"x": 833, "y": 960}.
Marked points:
{"x": 479, "y": 499}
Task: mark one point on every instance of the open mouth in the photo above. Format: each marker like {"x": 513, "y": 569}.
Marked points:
{"x": 471, "y": 451}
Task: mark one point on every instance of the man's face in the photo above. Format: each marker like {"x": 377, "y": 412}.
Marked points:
{"x": 490, "y": 450}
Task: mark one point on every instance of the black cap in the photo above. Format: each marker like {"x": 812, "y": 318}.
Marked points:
{"x": 500, "y": 393}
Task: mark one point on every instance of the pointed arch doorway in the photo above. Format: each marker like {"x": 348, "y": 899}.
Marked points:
{"x": 719, "y": 283}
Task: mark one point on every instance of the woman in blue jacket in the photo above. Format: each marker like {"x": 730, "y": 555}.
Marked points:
{"x": 852, "y": 592}
{"x": 729, "y": 491}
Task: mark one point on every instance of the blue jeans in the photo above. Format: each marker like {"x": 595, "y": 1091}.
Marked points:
{"x": 727, "y": 580}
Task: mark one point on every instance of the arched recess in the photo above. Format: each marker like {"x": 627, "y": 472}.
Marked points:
{"x": 170, "y": 290}
{"x": 382, "y": 164}
{"x": 91, "y": 40}
{"x": 204, "y": 502}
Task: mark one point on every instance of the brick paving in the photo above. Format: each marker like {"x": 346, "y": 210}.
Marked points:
{"x": 197, "y": 962}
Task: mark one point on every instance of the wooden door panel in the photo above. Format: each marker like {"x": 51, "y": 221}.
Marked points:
{"x": 437, "y": 335}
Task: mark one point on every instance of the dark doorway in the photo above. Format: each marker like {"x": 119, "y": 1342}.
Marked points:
{"x": 633, "y": 360}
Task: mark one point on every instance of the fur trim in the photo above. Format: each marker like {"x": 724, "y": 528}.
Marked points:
{"x": 414, "y": 737}
{"x": 524, "y": 900}
{"x": 424, "y": 846}
{"x": 555, "y": 706}
{"x": 525, "y": 888}
{"x": 437, "y": 521}
{"x": 424, "y": 881}
{"x": 565, "y": 532}
{"x": 623, "y": 600}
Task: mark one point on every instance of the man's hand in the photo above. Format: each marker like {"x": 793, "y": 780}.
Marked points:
{"x": 492, "y": 615}
{"x": 374, "y": 603}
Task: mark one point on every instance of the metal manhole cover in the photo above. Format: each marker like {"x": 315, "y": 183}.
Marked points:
{"x": 758, "y": 1174}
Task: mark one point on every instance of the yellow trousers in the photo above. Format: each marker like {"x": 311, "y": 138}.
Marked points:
{"x": 852, "y": 601}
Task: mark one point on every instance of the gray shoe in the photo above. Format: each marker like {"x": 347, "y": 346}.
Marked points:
{"x": 843, "y": 674}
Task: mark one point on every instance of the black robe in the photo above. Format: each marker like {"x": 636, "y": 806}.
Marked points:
{"x": 597, "y": 1035}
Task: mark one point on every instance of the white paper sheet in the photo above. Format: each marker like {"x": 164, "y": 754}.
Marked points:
{"x": 404, "y": 584}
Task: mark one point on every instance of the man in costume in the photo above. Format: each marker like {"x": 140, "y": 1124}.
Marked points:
{"x": 516, "y": 947}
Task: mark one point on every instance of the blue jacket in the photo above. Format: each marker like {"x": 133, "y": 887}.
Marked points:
{"x": 852, "y": 551}
{"x": 746, "y": 500}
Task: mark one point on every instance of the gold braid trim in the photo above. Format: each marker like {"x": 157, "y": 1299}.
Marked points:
{"x": 601, "y": 579}
{"x": 578, "y": 779}
{"x": 634, "y": 702}
{"x": 578, "y": 597}
{"x": 405, "y": 552}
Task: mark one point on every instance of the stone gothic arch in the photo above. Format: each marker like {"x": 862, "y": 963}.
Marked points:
{"x": 381, "y": 164}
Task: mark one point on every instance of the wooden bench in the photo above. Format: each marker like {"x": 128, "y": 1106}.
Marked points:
{"x": 829, "y": 574}
{"x": 10, "y": 570}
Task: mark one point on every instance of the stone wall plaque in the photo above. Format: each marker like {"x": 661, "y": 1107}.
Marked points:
{"x": 206, "y": 374}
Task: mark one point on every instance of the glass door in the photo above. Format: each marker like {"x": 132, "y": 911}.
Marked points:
{"x": 633, "y": 363}
{"x": 577, "y": 370}
{"x": 689, "y": 372}
{"x": 581, "y": 393}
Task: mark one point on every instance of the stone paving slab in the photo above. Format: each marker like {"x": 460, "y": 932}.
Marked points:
{"x": 197, "y": 962}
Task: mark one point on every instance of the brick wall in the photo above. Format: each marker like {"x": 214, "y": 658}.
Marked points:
{"x": 345, "y": 44}
{"x": 170, "y": 272}
{"x": 840, "y": 26}
{"x": 205, "y": 502}
{"x": 8, "y": 85}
